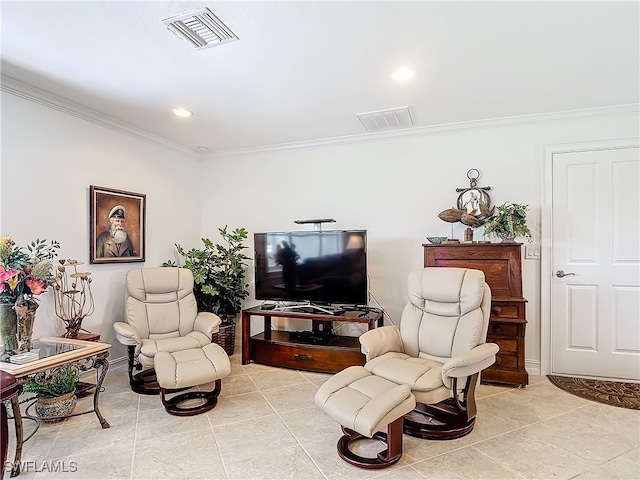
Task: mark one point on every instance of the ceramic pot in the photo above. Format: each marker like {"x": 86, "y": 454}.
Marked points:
{"x": 508, "y": 238}
{"x": 56, "y": 407}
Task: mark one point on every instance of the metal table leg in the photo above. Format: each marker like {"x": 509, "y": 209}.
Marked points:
{"x": 102, "y": 365}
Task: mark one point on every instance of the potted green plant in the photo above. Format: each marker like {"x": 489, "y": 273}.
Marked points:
{"x": 55, "y": 393}
{"x": 508, "y": 222}
{"x": 219, "y": 276}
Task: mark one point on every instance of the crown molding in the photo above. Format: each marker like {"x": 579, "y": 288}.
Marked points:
{"x": 41, "y": 97}
{"x": 587, "y": 113}
{"x": 60, "y": 104}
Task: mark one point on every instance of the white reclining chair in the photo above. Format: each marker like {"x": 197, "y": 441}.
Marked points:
{"x": 438, "y": 350}
{"x": 161, "y": 316}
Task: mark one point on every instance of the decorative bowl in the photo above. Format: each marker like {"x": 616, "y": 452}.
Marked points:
{"x": 436, "y": 239}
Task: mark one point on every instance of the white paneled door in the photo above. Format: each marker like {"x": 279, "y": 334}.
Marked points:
{"x": 595, "y": 293}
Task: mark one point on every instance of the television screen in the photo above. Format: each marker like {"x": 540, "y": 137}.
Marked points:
{"x": 320, "y": 266}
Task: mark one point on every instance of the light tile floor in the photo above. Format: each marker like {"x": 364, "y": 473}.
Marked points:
{"x": 266, "y": 426}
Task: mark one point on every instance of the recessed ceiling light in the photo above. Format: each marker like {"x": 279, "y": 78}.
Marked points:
{"x": 403, "y": 74}
{"x": 182, "y": 112}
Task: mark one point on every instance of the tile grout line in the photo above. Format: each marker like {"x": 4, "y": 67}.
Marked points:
{"x": 287, "y": 426}
{"x": 522, "y": 427}
{"x": 297, "y": 440}
{"x": 215, "y": 440}
{"x": 135, "y": 440}
{"x": 517, "y": 475}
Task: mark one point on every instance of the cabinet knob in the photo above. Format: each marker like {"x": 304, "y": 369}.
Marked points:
{"x": 496, "y": 310}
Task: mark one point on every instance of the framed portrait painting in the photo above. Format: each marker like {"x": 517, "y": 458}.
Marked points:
{"x": 117, "y": 225}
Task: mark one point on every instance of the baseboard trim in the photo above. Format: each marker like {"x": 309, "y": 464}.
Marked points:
{"x": 532, "y": 367}
{"x": 117, "y": 362}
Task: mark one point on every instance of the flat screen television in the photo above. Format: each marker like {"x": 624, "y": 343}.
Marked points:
{"x": 323, "y": 267}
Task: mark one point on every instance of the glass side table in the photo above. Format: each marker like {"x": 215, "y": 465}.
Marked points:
{"x": 55, "y": 352}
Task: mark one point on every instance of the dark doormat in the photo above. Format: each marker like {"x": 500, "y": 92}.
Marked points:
{"x": 617, "y": 394}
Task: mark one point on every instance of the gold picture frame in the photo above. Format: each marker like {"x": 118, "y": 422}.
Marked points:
{"x": 117, "y": 225}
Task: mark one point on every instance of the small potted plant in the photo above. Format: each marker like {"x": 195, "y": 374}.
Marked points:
{"x": 219, "y": 276}
{"x": 55, "y": 393}
{"x": 508, "y": 222}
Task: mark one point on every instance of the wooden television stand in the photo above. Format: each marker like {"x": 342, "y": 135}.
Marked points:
{"x": 280, "y": 348}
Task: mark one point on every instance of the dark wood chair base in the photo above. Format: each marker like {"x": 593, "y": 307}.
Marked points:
{"x": 448, "y": 419}
{"x": 145, "y": 382}
{"x": 442, "y": 421}
{"x": 172, "y": 405}
{"x": 392, "y": 439}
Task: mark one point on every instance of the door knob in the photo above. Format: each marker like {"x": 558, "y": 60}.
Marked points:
{"x": 560, "y": 274}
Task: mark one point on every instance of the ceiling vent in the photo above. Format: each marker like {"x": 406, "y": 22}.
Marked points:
{"x": 200, "y": 28}
{"x": 386, "y": 119}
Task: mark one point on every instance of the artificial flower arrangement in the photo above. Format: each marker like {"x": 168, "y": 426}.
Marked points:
{"x": 509, "y": 222}
{"x": 25, "y": 271}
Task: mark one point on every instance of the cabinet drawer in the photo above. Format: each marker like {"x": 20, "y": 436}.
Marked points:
{"x": 312, "y": 358}
{"x": 507, "y": 310}
{"x": 507, "y": 345}
{"x": 503, "y": 329}
{"x": 506, "y": 361}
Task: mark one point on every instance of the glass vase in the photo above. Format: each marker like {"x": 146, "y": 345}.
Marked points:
{"x": 26, "y": 316}
{"x": 9, "y": 330}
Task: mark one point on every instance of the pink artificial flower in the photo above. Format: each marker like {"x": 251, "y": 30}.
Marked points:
{"x": 36, "y": 286}
{"x": 7, "y": 274}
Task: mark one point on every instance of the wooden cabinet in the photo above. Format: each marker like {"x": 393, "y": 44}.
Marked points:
{"x": 282, "y": 349}
{"x": 502, "y": 267}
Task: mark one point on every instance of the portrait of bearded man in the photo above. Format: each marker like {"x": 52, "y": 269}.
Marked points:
{"x": 115, "y": 241}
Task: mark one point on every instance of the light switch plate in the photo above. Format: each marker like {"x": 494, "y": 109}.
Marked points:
{"x": 532, "y": 251}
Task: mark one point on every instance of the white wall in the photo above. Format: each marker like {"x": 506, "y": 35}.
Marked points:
{"x": 395, "y": 188}
{"x": 50, "y": 158}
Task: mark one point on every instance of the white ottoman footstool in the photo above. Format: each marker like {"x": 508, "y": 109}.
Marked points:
{"x": 188, "y": 368}
{"x": 364, "y": 405}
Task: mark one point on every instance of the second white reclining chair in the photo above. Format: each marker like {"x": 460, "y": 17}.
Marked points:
{"x": 438, "y": 349}
{"x": 420, "y": 377}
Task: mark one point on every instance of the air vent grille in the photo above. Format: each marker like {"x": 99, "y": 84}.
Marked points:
{"x": 201, "y": 29}
{"x": 386, "y": 119}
